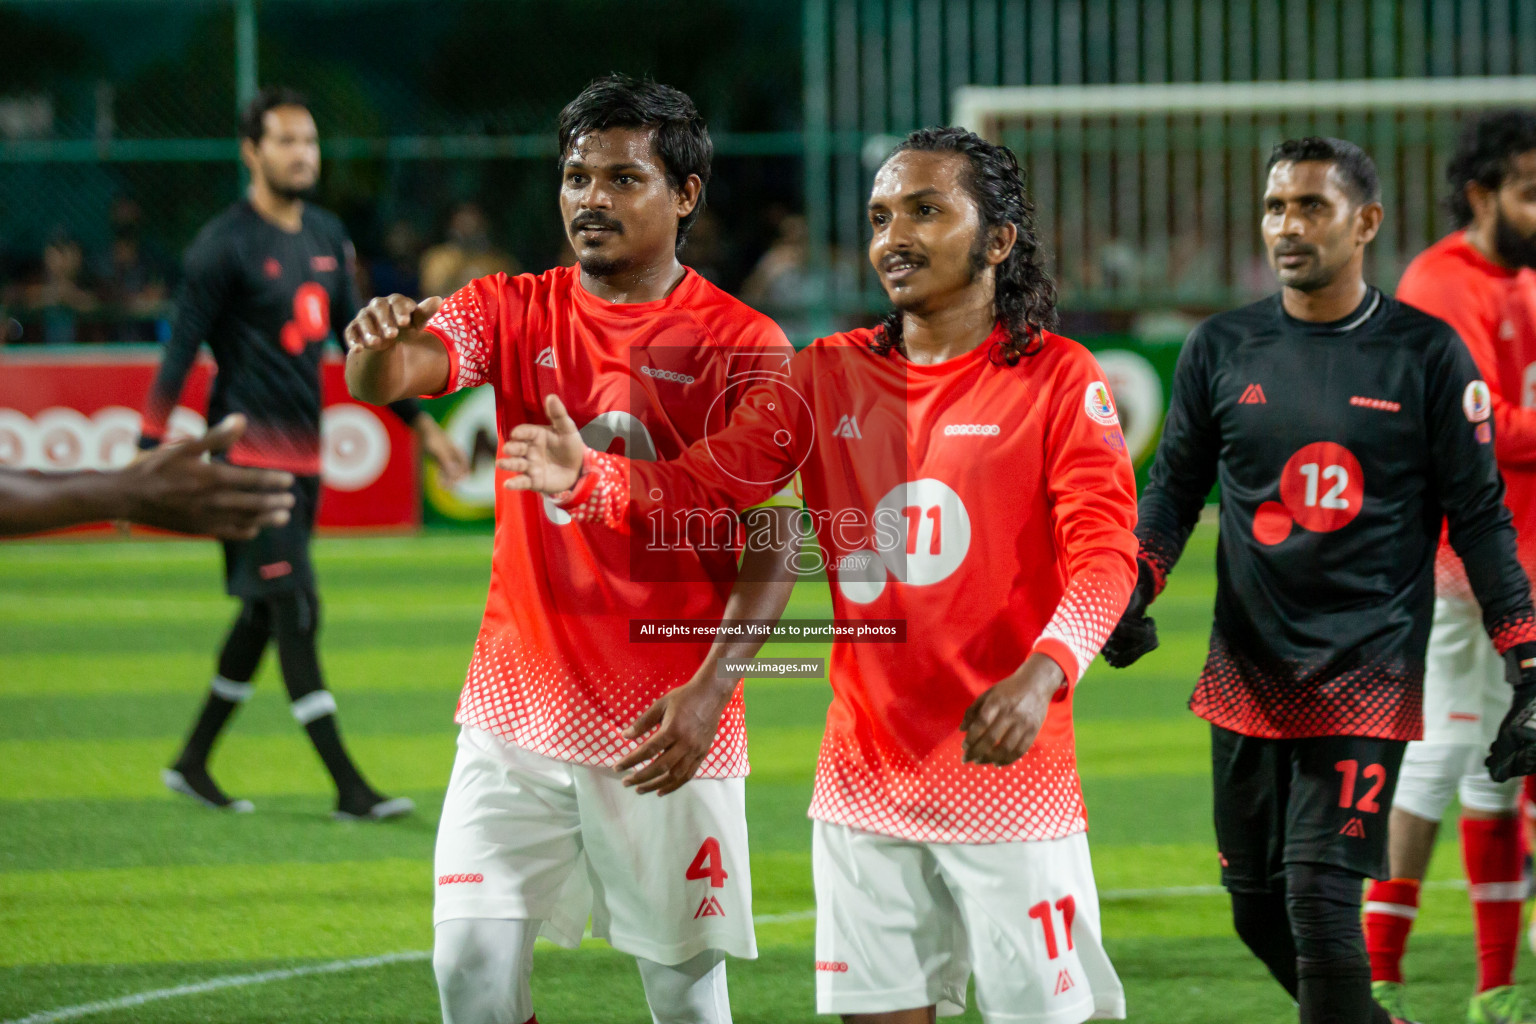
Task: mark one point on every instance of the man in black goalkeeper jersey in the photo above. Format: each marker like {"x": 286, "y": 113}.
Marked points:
{"x": 1344, "y": 428}
{"x": 265, "y": 280}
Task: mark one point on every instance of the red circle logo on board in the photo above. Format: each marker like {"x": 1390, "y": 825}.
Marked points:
{"x": 1321, "y": 490}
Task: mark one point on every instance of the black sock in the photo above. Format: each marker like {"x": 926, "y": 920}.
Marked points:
{"x": 231, "y": 687}
{"x": 1265, "y": 927}
{"x": 295, "y": 622}
{"x": 1336, "y": 991}
{"x": 1332, "y": 973}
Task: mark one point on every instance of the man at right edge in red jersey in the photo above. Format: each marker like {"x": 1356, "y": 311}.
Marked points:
{"x": 539, "y": 824}
{"x": 968, "y": 480}
{"x": 1478, "y": 280}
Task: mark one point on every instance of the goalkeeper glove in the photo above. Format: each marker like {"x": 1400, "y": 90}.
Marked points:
{"x": 1136, "y": 633}
{"x": 1514, "y": 748}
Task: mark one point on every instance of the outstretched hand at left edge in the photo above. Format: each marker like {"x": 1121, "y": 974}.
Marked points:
{"x": 1001, "y": 725}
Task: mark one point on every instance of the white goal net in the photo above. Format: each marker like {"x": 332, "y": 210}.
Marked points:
{"x": 1148, "y": 195}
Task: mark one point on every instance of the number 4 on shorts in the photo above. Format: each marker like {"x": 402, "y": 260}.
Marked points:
{"x": 708, "y": 863}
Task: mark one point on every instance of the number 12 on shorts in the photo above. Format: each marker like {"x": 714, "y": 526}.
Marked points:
{"x": 1041, "y": 912}
{"x": 1350, "y": 770}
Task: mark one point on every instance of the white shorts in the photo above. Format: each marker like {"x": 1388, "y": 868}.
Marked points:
{"x": 523, "y": 836}
{"x": 1465, "y": 698}
{"x": 1465, "y": 693}
{"x": 902, "y": 924}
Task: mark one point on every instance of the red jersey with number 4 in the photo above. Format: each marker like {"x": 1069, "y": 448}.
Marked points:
{"x": 986, "y": 508}
{"x": 554, "y": 669}
{"x": 1494, "y": 311}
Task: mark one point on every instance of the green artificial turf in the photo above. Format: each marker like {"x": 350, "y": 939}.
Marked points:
{"x": 110, "y": 887}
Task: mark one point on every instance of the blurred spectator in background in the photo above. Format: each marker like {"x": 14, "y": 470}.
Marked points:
{"x": 396, "y": 272}
{"x": 60, "y": 293}
{"x": 131, "y": 280}
{"x": 705, "y": 251}
{"x": 466, "y": 255}
{"x": 781, "y": 283}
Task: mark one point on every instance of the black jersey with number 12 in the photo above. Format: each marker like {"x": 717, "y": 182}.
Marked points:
{"x": 1340, "y": 449}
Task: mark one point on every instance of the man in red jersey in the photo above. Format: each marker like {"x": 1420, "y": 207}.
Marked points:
{"x": 1478, "y": 280}
{"x": 539, "y": 826}
{"x": 970, "y": 488}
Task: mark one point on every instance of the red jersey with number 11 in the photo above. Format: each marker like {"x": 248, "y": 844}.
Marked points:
{"x": 988, "y": 508}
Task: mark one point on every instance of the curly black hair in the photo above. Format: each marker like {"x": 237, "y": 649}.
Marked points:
{"x": 1484, "y": 153}
{"x": 681, "y": 141}
{"x": 1024, "y": 299}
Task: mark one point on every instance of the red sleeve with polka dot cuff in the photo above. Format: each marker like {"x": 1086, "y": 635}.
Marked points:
{"x": 1092, "y": 492}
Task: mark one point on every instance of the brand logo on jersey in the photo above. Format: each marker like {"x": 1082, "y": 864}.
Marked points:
{"x": 1375, "y": 403}
{"x": 322, "y": 264}
{"x": 1354, "y": 828}
{"x": 1099, "y": 405}
{"x": 1253, "y": 394}
{"x": 546, "y": 357}
{"x": 1477, "y": 402}
{"x": 847, "y": 428}
{"x": 1507, "y": 331}
{"x": 272, "y": 268}
{"x": 971, "y": 429}
{"x": 709, "y": 907}
{"x": 459, "y": 879}
{"x": 832, "y": 966}
{"x": 679, "y": 378}
{"x": 1063, "y": 982}
{"x": 276, "y": 569}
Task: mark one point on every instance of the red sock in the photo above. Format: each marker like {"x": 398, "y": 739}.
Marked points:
{"x": 1390, "y": 908}
{"x": 1528, "y": 815}
{"x": 1490, "y": 849}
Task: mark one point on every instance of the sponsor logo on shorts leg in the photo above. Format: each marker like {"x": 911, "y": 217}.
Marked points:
{"x": 464, "y": 879}
{"x": 709, "y": 906}
{"x": 276, "y": 569}
{"x": 1354, "y": 828}
{"x": 832, "y": 966}
{"x": 1063, "y": 982}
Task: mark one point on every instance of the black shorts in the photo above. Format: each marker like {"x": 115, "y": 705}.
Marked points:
{"x": 1322, "y": 800}
{"x": 277, "y": 558}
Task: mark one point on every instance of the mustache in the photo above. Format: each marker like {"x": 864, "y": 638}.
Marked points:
{"x": 1295, "y": 249}
{"x": 891, "y": 259}
{"x": 594, "y": 219}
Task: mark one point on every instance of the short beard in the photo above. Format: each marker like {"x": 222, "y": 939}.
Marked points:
{"x": 1512, "y": 248}
{"x": 600, "y": 266}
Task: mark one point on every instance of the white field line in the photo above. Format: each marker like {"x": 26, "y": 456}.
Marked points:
{"x": 363, "y": 963}
{"x": 214, "y": 984}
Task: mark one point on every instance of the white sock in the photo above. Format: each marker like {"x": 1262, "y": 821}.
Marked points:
{"x": 692, "y": 992}
{"x": 482, "y": 967}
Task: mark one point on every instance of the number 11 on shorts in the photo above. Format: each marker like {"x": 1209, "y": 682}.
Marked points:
{"x": 1067, "y": 906}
